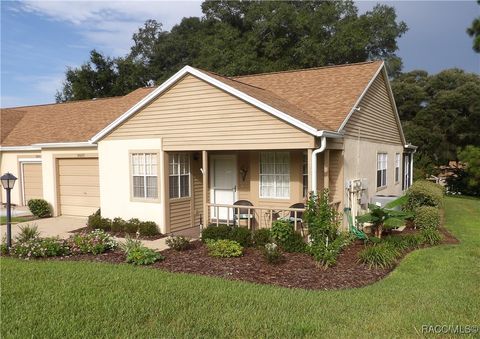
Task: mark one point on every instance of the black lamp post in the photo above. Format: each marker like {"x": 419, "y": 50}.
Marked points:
{"x": 8, "y": 181}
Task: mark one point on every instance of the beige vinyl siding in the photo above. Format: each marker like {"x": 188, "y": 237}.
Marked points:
{"x": 194, "y": 115}
{"x": 32, "y": 181}
{"x": 180, "y": 214}
{"x": 78, "y": 186}
{"x": 336, "y": 176}
{"x": 376, "y": 119}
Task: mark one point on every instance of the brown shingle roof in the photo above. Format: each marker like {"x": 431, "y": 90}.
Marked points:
{"x": 75, "y": 121}
{"x": 321, "y": 97}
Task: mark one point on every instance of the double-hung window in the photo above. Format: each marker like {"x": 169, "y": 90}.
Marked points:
{"x": 179, "y": 175}
{"x": 381, "y": 170}
{"x": 275, "y": 175}
{"x": 397, "y": 167}
{"x": 144, "y": 175}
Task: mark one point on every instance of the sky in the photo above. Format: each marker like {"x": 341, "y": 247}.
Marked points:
{"x": 41, "y": 39}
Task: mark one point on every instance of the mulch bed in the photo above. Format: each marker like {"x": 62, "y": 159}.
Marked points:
{"x": 122, "y": 234}
{"x": 296, "y": 271}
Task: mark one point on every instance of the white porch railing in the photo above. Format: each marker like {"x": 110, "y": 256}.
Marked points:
{"x": 259, "y": 216}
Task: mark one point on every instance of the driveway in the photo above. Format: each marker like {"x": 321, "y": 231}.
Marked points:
{"x": 51, "y": 227}
{"x": 63, "y": 225}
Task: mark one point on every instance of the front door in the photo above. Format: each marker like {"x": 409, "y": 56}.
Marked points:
{"x": 223, "y": 185}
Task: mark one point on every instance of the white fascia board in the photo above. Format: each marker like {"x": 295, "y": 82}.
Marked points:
{"x": 377, "y": 72}
{"x": 65, "y": 145}
{"x": 190, "y": 70}
{"x": 19, "y": 148}
{"x": 30, "y": 159}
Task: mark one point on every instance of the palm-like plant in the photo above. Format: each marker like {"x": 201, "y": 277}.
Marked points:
{"x": 383, "y": 218}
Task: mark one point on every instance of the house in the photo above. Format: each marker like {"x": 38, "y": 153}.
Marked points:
{"x": 181, "y": 154}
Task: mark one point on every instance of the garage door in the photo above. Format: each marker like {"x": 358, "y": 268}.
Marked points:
{"x": 32, "y": 181}
{"x": 79, "y": 191}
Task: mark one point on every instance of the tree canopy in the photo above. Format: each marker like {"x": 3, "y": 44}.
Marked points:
{"x": 474, "y": 32}
{"x": 242, "y": 37}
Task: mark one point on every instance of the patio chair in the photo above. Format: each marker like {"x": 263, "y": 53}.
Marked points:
{"x": 243, "y": 213}
{"x": 291, "y": 218}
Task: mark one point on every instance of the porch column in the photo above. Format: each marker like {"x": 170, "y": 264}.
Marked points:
{"x": 411, "y": 170}
{"x": 205, "y": 188}
{"x": 326, "y": 166}
{"x": 309, "y": 172}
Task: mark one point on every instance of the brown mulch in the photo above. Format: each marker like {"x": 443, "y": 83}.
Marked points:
{"x": 122, "y": 234}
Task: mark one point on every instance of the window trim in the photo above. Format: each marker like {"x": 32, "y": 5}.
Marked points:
{"x": 398, "y": 166}
{"x": 130, "y": 163}
{"x": 264, "y": 198}
{"x": 305, "y": 175}
{"x": 189, "y": 196}
{"x": 382, "y": 185}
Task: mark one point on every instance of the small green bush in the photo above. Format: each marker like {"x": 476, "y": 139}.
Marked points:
{"x": 40, "y": 208}
{"x": 27, "y": 233}
{"x": 327, "y": 253}
{"x": 224, "y": 248}
{"x": 40, "y": 247}
{"x": 3, "y": 247}
{"x": 431, "y": 236}
{"x": 427, "y": 217}
{"x": 424, "y": 193}
{"x": 94, "y": 242}
{"x": 132, "y": 226}
{"x": 242, "y": 235}
{"x": 272, "y": 253}
{"x": 148, "y": 228}
{"x": 118, "y": 225}
{"x": 261, "y": 237}
{"x": 213, "y": 232}
{"x": 178, "y": 243}
{"x": 379, "y": 256}
{"x": 96, "y": 222}
{"x": 142, "y": 255}
{"x": 404, "y": 242}
{"x": 285, "y": 236}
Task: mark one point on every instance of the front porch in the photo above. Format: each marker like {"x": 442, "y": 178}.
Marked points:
{"x": 248, "y": 188}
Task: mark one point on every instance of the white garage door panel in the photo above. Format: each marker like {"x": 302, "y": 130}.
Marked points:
{"x": 32, "y": 181}
{"x": 79, "y": 190}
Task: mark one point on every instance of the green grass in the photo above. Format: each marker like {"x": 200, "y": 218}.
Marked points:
{"x": 438, "y": 285}
{"x": 15, "y": 220}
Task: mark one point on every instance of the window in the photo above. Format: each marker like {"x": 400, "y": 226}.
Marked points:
{"x": 144, "y": 174}
{"x": 305, "y": 175}
{"x": 179, "y": 171}
{"x": 274, "y": 175}
{"x": 381, "y": 169}
{"x": 397, "y": 167}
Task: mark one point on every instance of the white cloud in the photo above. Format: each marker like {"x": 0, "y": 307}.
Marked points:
{"x": 109, "y": 25}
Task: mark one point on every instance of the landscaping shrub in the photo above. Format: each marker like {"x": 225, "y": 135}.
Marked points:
{"x": 3, "y": 247}
{"x": 242, "y": 235}
{"x": 27, "y": 232}
{"x": 404, "y": 242}
{"x": 431, "y": 236}
{"x": 285, "y": 236}
{"x": 261, "y": 237}
{"x": 382, "y": 255}
{"x": 272, "y": 253}
{"x": 213, "y": 232}
{"x": 40, "y": 208}
{"x": 321, "y": 219}
{"x": 118, "y": 225}
{"x": 424, "y": 193}
{"x": 95, "y": 242}
{"x": 132, "y": 226}
{"x": 96, "y": 222}
{"x": 40, "y": 247}
{"x": 224, "y": 248}
{"x": 427, "y": 217}
{"x": 142, "y": 255}
{"x": 178, "y": 243}
{"x": 148, "y": 228}
{"x": 326, "y": 253}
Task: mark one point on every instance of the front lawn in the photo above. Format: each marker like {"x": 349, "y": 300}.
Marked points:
{"x": 15, "y": 220}
{"x": 433, "y": 286}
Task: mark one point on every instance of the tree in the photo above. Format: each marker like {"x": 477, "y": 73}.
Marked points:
{"x": 235, "y": 38}
{"x": 439, "y": 113}
{"x": 474, "y": 31}
{"x": 467, "y": 179}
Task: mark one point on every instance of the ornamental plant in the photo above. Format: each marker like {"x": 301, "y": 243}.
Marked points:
{"x": 40, "y": 248}
{"x": 224, "y": 248}
{"x": 40, "y": 208}
{"x": 383, "y": 218}
{"x": 95, "y": 242}
{"x": 272, "y": 253}
{"x": 178, "y": 243}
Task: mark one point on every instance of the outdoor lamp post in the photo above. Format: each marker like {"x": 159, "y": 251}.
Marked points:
{"x": 8, "y": 181}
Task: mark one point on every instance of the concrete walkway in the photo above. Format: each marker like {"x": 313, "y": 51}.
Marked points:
{"x": 17, "y": 211}
{"x": 63, "y": 226}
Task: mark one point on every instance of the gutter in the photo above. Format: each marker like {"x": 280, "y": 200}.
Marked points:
{"x": 65, "y": 145}
{"x": 19, "y": 148}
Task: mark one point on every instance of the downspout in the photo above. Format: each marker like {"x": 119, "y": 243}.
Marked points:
{"x": 323, "y": 145}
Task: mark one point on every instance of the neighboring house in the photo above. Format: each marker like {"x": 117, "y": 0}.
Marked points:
{"x": 193, "y": 146}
